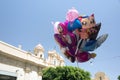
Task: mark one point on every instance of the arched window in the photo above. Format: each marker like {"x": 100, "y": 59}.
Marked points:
{"x": 100, "y": 78}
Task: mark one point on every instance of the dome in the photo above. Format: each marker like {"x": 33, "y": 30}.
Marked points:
{"x": 100, "y": 73}
{"x": 39, "y": 47}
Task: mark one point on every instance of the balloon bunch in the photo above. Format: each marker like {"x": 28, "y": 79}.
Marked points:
{"x": 77, "y": 36}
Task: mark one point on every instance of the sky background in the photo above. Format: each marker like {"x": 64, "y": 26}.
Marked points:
{"x": 28, "y": 23}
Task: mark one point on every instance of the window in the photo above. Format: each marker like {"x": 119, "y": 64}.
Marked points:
{"x": 40, "y": 55}
{"x": 100, "y": 78}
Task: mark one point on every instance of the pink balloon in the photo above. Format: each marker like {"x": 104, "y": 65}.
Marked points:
{"x": 72, "y": 14}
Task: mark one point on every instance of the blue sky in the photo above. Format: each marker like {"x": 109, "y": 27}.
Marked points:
{"x": 28, "y": 23}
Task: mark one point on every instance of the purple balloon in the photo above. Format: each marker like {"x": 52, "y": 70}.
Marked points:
{"x": 83, "y": 57}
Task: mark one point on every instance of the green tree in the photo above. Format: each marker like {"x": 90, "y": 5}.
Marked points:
{"x": 65, "y": 73}
{"x": 119, "y": 77}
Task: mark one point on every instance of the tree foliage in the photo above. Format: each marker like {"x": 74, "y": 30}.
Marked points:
{"x": 119, "y": 77}
{"x": 65, "y": 73}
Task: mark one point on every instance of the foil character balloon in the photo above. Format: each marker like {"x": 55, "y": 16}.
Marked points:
{"x": 66, "y": 41}
{"x": 90, "y": 27}
{"x": 72, "y": 14}
{"x": 85, "y": 56}
{"x": 88, "y": 33}
{"x": 76, "y": 24}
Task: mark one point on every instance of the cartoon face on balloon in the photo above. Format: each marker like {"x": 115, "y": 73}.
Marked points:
{"x": 89, "y": 27}
{"x": 60, "y": 28}
{"x": 87, "y": 21}
{"x": 92, "y": 20}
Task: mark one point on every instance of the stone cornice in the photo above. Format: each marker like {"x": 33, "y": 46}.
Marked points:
{"x": 19, "y": 54}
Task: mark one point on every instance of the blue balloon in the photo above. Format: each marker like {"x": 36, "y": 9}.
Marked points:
{"x": 76, "y": 24}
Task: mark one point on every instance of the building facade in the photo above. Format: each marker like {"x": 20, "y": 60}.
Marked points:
{"x": 17, "y": 64}
{"x": 101, "y": 76}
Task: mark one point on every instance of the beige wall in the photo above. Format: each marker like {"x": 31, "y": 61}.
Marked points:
{"x": 24, "y": 65}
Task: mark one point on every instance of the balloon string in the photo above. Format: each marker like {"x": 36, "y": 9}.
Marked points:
{"x": 77, "y": 65}
{"x": 79, "y": 43}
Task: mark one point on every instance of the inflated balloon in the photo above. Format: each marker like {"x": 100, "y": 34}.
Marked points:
{"x": 85, "y": 56}
{"x": 78, "y": 35}
{"x": 55, "y": 24}
{"x": 88, "y": 26}
{"x": 76, "y": 24}
{"x": 72, "y": 14}
{"x": 66, "y": 39}
{"x": 88, "y": 32}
